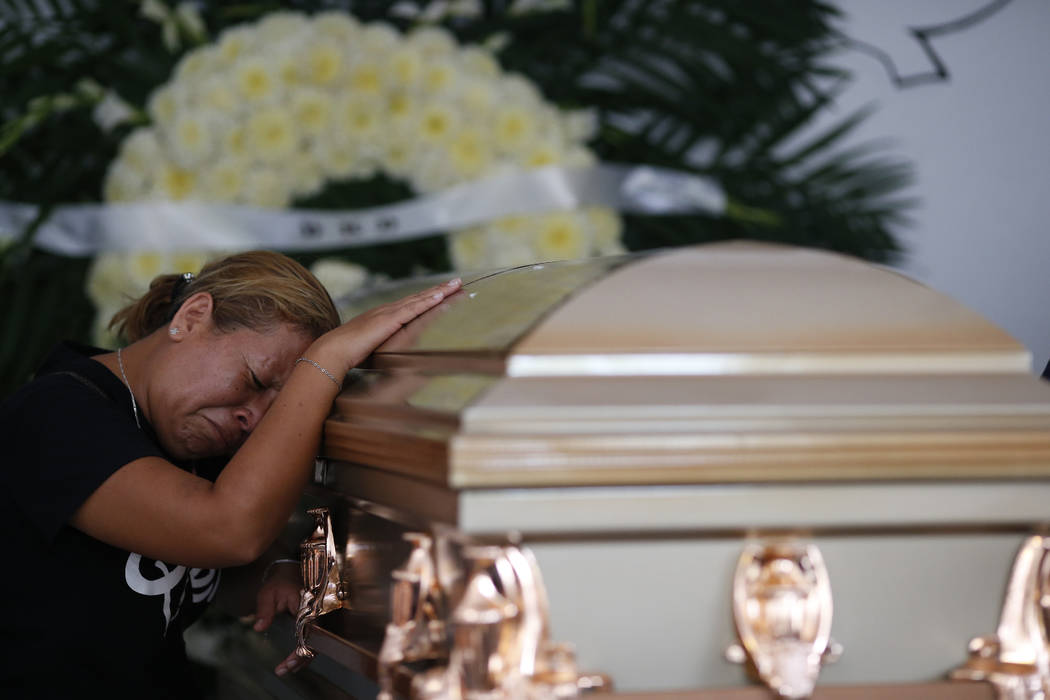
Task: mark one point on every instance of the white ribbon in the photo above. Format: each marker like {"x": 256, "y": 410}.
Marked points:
{"x": 84, "y": 230}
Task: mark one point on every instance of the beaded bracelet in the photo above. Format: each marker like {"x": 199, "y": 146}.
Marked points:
{"x": 323, "y": 370}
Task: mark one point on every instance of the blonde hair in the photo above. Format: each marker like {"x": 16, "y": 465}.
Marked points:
{"x": 257, "y": 290}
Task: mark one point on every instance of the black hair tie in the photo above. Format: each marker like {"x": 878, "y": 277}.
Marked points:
{"x": 180, "y": 284}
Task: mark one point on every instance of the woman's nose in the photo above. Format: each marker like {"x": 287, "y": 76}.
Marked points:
{"x": 251, "y": 412}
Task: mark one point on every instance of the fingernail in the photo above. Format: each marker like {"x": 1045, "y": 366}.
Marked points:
{"x": 258, "y": 625}
{"x": 281, "y": 670}
{"x": 455, "y": 282}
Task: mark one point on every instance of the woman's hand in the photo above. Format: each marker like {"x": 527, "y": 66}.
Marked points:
{"x": 281, "y": 592}
{"x": 348, "y": 345}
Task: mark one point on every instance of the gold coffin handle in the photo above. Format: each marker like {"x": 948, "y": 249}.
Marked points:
{"x": 1016, "y": 659}
{"x": 782, "y": 609}
{"x": 322, "y": 578}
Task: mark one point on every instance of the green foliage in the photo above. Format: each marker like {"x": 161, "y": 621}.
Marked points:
{"x": 721, "y": 88}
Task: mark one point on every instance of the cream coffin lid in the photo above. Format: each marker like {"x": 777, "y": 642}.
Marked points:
{"x": 728, "y": 362}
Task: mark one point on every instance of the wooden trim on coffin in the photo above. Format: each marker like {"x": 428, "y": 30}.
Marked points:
{"x": 562, "y": 460}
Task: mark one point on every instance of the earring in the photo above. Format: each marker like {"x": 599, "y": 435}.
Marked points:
{"x": 173, "y": 331}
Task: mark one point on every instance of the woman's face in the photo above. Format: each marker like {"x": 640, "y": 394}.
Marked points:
{"x": 217, "y": 386}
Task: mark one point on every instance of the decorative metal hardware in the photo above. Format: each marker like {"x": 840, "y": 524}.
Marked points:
{"x": 322, "y": 569}
{"x": 1016, "y": 659}
{"x": 782, "y": 608}
{"x": 417, "y": 627}
{"x": 500, "y": 641}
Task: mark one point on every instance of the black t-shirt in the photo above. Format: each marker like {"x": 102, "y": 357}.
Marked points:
{"x": 79, "y": 616}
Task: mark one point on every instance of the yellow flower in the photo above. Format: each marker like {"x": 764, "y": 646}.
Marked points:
{"x": 324, "y": 62}
{"x": 312, "y": 110}
{"x": 191, "y": 261}
{"x": 174, "y": 183}
{"x": 190, "y": 139}
{"x": 305, "y": 176}
{"x": 432, "y": 41}
{"x": 366, "y": 79}
{"x": 235, "y": 43}
{"x": 379, "y": 38}
{"x": 510, "y": 242}
{"x": 108, "y": 281}
{"x": 479, "y": 63}
{"x": 266, "y": 188}
{"x": 468, "y": 154}
{"x": 606, "y": 229}
{"x": 400, "y": 106}
{"x": 337, "y": 160}
{"x": 338, "y": 25}
{"x": 140, "y": 151}
{"x": 540, "y": 154}
{"x": 142, "y": 268}
{"x": 439, "y": 75}
{"x": 359, "y": 118}
{"x": 404, "y": 66}
{"x": 339, "y": 278}
{"x": 468, "y": 248}
{"x": 561, "y": 236}
{"x": 436, "y": 122}
{"x": 224, "y": 181}
{"x": 513, "y": 127}
{"x": 196, "y": 64}
{"x": 280, "y": 26}
{"x": 255, "y": 79}
{"x": 216, "y": 92}
{"x": 271, "y": 134}
{"x": 124, "y": 184}
{"x": 163, "y": 104}
{"x": 235, "y": 141}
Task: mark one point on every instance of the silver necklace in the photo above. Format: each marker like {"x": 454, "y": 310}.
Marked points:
{"x": 134, "y": 406}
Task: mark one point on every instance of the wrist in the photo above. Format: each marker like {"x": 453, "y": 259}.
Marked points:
{"x": 275, "y": 563}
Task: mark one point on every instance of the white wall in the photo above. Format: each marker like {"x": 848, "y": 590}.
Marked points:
{"x": 980, "y": 144}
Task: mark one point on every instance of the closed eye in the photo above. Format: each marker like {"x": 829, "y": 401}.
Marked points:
{"x": 255, "y": 380}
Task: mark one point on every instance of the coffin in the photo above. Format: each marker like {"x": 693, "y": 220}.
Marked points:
{"x": 727, "y": 464}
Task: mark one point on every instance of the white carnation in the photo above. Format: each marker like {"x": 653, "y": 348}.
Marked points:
{"x": 235, "y": 43}
{"x": 170, "y": 182}
{"x": 433, "y": 41}
{"x": 197, "y": 64}
{"x": 124, "y": 183}
{"x": 191, "y": 138}
{"x": 255, "y": 79}
{"x": 404, "y": 66}
{"x": 271, "y": 134}
{"x": 280, "y": 26}
{"x": 379, "y": 38}
{"x": 339, "y": 25}
{"x": 266, "y": 187}
{"x": 216, "y": 93}
{"x": 340, "y": 278}
{"x": 312, "y": 110}
{"x": 468, "y": 249}
{"x": 224, "y": 181}
{"x": 606, "y": 230}
{"x": 108, "y": 282}
{"x": 141, "y": 150}
{"x": 561, "y": 236}
{"x": 324, "y": 62}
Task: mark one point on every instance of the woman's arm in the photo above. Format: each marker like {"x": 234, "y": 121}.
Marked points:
{"x": 152, "y": 507}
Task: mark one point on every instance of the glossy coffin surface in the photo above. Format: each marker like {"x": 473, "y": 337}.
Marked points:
{"x": 729, "y": 362}
{"x": 641, "y": 423}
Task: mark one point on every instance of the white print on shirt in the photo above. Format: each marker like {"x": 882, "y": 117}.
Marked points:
{"x": 170, "y": 583}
